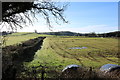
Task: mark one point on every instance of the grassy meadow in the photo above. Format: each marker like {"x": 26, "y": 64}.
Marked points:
{"x": 55, "y": 53}
{"x": 17, "y": 38}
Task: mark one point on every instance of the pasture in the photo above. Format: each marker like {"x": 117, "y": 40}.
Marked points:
{"x": 17, "y": 38}
{"x": 59, "y": 51}
{"x": 55, "y": 53}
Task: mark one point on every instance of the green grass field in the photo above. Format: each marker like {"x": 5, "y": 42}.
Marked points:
{"x": 55, "y": 53}
{"x": 17, "y": 38}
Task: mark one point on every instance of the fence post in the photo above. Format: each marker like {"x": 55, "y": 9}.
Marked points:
{"x": 42, "y": 73}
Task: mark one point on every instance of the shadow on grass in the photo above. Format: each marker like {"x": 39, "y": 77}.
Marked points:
{"x": 14, "y": 56}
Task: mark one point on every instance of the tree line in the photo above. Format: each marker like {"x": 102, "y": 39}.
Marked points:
{"x": 92, "y": 34}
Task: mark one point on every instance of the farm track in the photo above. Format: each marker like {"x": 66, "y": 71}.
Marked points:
{"x": 94, "y": 59}
{"x": 99, "y": 55}
{"x": 107, "y": 58}
{"x": 53, "y": 48}
{"x": 64, "y": 51}
{"x": 90, "y": 58}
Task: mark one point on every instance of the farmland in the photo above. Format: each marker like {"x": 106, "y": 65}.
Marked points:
{"x": 17, "y": 38}
{"x": 56, "y": 52}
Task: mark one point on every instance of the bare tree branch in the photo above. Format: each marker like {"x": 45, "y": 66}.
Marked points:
{"x": 17, "y": 13}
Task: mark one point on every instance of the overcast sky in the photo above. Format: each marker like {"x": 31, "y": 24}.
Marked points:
{"x": 83, "y": 17}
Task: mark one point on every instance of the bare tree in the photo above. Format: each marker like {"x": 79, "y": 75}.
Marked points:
{"x": 17, "y": 14}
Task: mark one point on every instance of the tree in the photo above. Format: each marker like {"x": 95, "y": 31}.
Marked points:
{"x": 17, "y": 14}
{"x": 92, "y": 34}
{"x": 35, "y": 31}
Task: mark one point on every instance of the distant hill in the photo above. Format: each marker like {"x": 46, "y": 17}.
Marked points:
{"x": 63, "y": 33}
{"x": 68, "y": 33}
{"x": 111, "y": 34}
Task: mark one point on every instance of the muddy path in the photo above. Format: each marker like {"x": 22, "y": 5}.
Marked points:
{"x": 14, "y": 56}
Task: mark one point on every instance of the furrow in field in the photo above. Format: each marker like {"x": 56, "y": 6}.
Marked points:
{"x": 69, "y": 55}
{"x": 56, "y": 50}
{"x": 106, "y": 58}
{"x": 95, "y": 53}
{"x": 93, "y": 58}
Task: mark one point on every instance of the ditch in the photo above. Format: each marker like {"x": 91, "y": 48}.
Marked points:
{"x": 13, "y": 56}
